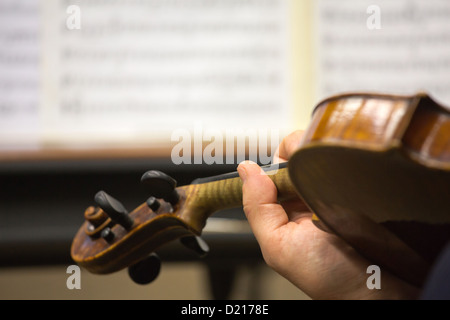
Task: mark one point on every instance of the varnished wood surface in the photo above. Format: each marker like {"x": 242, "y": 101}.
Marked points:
{"x": 206, "y": 198}
{"x": 151, "y": 230}
{"x": 369, "y": 160}
{"x": 154, "y": 229}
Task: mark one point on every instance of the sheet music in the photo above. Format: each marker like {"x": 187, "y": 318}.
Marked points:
{"x": 408, "y": 53}
{"x": 137, "y": 70}
{"x": 19, "y": 74}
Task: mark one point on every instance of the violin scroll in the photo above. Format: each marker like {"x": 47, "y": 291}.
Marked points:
{"x": 112, "y": 238}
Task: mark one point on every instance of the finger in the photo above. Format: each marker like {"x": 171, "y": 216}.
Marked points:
{"x": 287, "y": 146}
{"x": 260, "y": 201}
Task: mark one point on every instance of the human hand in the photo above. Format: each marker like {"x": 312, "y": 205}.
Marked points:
{"x": 319, "y": 263}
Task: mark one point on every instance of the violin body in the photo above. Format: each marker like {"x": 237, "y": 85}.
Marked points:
{"x": 374, "y": 169}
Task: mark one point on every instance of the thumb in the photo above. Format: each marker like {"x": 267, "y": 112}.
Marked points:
{"x": 259, "y": 198}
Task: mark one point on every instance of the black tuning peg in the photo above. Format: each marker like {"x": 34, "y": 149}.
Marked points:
{"x": 146, "y": 270}
{"x": 114, "y": 209}
{"x": 108, "y": 235}
{"x": 195, "y": 243}
{"x": 153, "y": 203}
{"x": 160, "y": 185}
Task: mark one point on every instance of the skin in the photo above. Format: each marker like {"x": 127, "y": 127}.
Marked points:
{"x": 319, "y": 263}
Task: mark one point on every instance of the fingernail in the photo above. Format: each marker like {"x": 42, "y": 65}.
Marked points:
{"x": 242, "y": 172}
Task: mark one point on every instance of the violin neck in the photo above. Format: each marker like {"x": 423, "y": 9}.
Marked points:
{"x": 208, "y": 195}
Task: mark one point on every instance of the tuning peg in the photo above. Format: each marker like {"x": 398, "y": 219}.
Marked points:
{"x": 114, "y": 209}
{"x": 108, "y": 235}
{"x": 153, "y": 203}
{"x": 160, "y": 185}
{"x": 146, "y": 270}
{"x": 196, "y": 243}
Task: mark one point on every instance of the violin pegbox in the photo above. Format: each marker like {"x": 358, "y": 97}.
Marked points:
{"x": 160, "y": 185}
{"x": 112, "y": 238}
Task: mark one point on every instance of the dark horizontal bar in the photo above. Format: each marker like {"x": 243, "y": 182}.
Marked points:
{"x": 235, "y": 174}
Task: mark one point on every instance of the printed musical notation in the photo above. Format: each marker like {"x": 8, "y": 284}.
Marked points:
{"x": 123, "y": 73}
{"x": 19, "y": 76}
{"x": 136, "y": 71}
{"x": 409, "y": 52}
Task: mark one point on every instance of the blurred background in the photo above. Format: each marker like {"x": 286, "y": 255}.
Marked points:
{"x": 93, "y": 92}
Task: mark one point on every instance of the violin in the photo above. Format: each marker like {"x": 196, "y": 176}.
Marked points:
{"x": 373, "y": 168}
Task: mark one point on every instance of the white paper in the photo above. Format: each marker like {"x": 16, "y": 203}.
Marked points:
{"x": 410, "y": 52}
{"x": 19, "y": 74}
{"x": 138, "y": 70}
